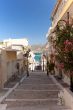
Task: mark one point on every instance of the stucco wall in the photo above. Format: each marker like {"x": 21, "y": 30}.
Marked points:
{"x": 8, "y": 65}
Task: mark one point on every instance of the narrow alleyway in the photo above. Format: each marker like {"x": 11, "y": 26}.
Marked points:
{"x": 37, "y": 92}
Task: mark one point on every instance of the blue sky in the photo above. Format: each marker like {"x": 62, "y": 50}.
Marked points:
{"x": 25, "y": 18}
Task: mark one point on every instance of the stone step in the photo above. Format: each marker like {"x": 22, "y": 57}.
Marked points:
{"x": 47, "y": 104}
{"x": 3, "y": 106}
{"x": 23, "y": 90}
{"x": 38, "y": 87}
{"x": 40, "y": 80}
{"x": 37, "y": 82}
{"x": 34, "y": 108}
{"x": 41, "y": 76}
{"x": 38, "y": 108}
{"x": 30, "y": 102}
{"x": 33, "y": 94}
{"x": 36, "y": 92}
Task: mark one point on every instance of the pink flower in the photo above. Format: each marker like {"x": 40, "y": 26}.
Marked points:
{"x": 61, "y": 66}
{"x": 68, "y": 46}
{"x": 67, "y": 42}
{"x": 70, "y": 43}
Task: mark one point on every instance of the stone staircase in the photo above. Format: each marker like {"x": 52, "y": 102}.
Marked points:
{"x": 36, "y": 92}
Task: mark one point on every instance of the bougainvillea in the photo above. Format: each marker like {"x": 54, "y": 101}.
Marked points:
{"x": 64, "y": 45}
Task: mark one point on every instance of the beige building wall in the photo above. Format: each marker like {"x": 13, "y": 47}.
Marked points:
{"x": 11, "y": 55}
{"x": 1, "y": 74}
{"x": 60, "y": 11}
{"x": 7, "y": 65}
